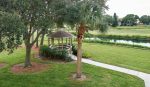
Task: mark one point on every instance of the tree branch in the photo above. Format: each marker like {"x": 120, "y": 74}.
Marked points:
{"x": 36, "y": 37}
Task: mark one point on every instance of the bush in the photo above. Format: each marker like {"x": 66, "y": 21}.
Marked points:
{"x": 84, "y": 53}
{"x": 50, "y": 53}
{"x": 74, "y": 49}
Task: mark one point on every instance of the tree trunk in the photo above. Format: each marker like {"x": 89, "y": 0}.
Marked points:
{"x": 79, "y": 51}
{"x": 37, "y": 42}
{"x": 79, "y": 58}
{"x": 42, "y": 39}
{"x": 28, "y": 56}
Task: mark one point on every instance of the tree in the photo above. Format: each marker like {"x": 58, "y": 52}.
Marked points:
{"x": 130, "y": 20}
{"x": 35, "y": 14}
{"x": 145, "y": 19}
{"x": 115, "y": 20}
{"x": 11, "y": 31}
{"x": 109, "y": 19}
{"x": 89, "y": 14}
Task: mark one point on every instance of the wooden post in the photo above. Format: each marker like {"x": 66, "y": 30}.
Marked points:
{"x": 62, "y": 42}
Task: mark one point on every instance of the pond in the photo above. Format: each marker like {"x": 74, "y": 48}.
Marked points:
{"x": 121, "y": 41}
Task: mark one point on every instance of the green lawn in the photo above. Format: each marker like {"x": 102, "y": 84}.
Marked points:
{"x": 58, "y": 75}
{"x": 128, "y": 57}
{"x": 127, "y": 30}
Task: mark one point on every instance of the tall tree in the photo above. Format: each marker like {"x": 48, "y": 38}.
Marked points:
{"x": 90, "y": 14}
{"x": 35, "y": 15}
{"x": 115, "y": 20}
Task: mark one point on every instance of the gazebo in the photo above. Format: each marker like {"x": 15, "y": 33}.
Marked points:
{"x": 61, "y": 40}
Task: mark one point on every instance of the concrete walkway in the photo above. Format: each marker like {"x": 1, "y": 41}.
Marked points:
{"x": 144, "y": 76}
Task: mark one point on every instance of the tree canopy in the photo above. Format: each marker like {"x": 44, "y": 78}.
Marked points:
{"x": 130, "y": 20}
{"x": 30, "y": 16}
{"x": 11, "y": 31}
{"x": 145, "y": 19}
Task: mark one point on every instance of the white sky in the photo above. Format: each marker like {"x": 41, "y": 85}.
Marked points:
{"x": 124, "y": 7}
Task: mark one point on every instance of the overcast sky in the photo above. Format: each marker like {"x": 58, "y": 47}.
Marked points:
{"x": 124, "y": 7}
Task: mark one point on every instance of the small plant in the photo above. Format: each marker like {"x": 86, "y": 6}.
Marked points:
{"x": 86, "y": 54}
{"x": 74, "y": 49}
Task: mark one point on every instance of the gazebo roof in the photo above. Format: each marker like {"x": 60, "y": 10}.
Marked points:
{"x": 61, "y": 34}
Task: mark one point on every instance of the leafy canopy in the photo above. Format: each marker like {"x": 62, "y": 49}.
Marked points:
{"x": 11, "y": 31}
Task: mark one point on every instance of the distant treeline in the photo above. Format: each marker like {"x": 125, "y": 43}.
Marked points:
{"x": 128, "y": 20}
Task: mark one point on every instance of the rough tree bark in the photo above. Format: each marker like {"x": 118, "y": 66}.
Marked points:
{"x": 28, "y": 56}
{"x": 81, "y": 32}
{"x": 29, "y": 45}
{"x": 79, "y": 59}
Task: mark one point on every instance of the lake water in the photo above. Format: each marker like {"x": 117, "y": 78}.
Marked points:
{"x": 122, "y": 41}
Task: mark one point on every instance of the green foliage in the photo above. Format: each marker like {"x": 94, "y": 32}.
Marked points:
{"x": 108, "y": 19}
{"x": 74, "y": 49}
{"x": 85, "y": 35}
{"x": 84, "y": 53}
{"x": 130, "y": 20}
{"x": 145, "y": 19}
{"x": 54, "y": 53}
{"x": 11, "y": 31}
{"x": 88, "y": 12}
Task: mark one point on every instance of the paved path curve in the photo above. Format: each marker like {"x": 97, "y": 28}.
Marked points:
{"x": 144, "y": 76}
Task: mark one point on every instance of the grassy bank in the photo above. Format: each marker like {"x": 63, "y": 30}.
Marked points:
{"x": 127, "y": 30}
{"x": 58, "y": 75}
{"x": 128, "y": 57}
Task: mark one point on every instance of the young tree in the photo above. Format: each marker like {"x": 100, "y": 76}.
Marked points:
{"x": 115, "y": 20}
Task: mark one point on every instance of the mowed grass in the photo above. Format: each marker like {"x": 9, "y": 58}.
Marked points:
{"x": 59, "y": 75}
{"x": 127, "y": 30}
{"x": 130, "y": 32}
{"x": 128, "y": 57}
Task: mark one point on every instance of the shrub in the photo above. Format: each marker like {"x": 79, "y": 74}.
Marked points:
{"x": 53, "y": 53}
{"x": 84, "y": 53}
{"x": 74, "y": 49}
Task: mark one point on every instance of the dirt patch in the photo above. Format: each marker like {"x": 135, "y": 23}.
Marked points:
{"x": 2, "y": 65}
{"x": 36, "y": 67}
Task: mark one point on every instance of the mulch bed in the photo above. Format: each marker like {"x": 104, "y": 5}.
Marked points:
{"x": 2, "y": 65}
{"x": 36, "y": 67}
